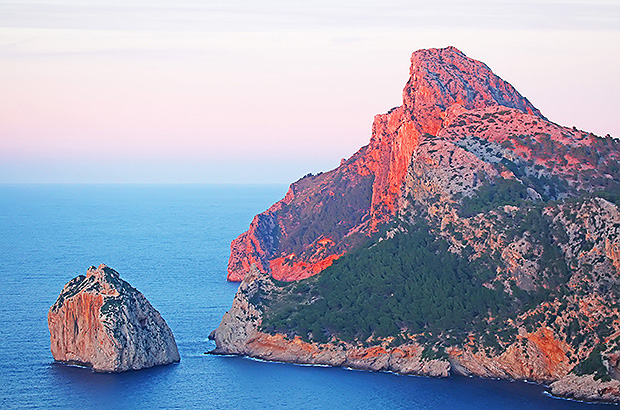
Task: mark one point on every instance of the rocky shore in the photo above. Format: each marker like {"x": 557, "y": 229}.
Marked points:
{"x": 239, "y": 334}
{"x": 537, "y": 357}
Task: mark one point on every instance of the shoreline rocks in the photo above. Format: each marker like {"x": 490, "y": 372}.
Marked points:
{"x": 586, "y": 388}
{"x": 239, "y": 334}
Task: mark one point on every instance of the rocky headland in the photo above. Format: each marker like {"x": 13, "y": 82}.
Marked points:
{"x": 239, "y": 333}
{"x": 102, "y": 322}
{"x": 470, "y": 236}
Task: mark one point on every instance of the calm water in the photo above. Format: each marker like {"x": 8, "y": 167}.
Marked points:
{"x": 172, "y": 243}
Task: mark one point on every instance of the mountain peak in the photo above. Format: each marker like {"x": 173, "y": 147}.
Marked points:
{"x": 465, "y": 193}
{"x": 442, "y": 77}
{"x": 450, "y": 98}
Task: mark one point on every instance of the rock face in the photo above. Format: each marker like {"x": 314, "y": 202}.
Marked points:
{"x": 102, "y": 322}
{"x": 523, "y": 211}
{"x": 323, "y": 216}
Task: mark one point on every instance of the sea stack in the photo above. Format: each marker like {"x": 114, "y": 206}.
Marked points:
{"x": 101, "y": 321}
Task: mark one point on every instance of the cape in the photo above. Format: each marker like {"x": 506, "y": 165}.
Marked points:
{"x": 470, "y": 236}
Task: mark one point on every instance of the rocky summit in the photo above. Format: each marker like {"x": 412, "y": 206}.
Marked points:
{"x": 471, "y": 236}
{"x": 102, "y": 322}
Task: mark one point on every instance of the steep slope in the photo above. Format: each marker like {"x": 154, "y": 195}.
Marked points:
{"x": 322, "y": 216}
{"x": 471, "y": 236}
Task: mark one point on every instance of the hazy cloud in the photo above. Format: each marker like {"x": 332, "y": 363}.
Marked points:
{"x": 320, "y": 14}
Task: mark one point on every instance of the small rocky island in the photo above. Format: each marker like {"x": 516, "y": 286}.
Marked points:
{"x": 102, "y": 322}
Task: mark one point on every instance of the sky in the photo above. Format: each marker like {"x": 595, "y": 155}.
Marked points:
{"x": 239, "y": 91}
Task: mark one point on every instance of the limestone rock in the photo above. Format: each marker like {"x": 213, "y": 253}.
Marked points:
{"x": 534, "y": 203}
{"x": 240, "y": 324}
{"x": 457, "y": 124}
{"x": 587, "y": 388}
{"x": 102, "y": 322}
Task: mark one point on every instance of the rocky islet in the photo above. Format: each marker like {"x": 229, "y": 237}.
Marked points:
{"x": 102, "y": 322}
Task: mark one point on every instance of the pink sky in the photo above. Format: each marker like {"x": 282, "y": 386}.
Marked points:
{"x": 165, "y": 91}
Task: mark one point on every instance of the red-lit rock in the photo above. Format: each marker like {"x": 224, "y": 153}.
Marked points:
{"x": 462, "y": 136}
{"x": 351, "y": 200}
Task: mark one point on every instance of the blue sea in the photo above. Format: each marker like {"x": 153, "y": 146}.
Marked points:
{"x": 172, "y": 243}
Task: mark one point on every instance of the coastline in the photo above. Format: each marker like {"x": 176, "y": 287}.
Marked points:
{"x": 546, "y": 386}
{"x": 239, "y": 334}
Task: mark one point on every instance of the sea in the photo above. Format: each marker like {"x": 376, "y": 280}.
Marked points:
{"x": 172, "y": 243}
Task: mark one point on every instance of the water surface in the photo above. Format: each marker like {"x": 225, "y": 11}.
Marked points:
{"x": 172, "y": 243}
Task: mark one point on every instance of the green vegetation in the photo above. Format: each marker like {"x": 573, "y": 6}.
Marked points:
{"x": 549, "y": 187}
{"x": 612, "y": 195}
{"x": 500, "y": 192}
{"x": 72, "y": 288}
{"x": 601, "y": 153}
{"x": 331, "y": 215}
{"x": 541, "y": 231}
{"x": 111, "y": 305}
{"x": 410, "y": 283}
{"x": 598, "y": 156}
{"x": 411, "y": 286}
{"x": 593, "y": 364}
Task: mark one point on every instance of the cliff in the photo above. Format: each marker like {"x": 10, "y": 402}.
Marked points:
{"x": 323, "y": 216}
{"x": 471, "y": 235}
{"x": 100, "y": 321}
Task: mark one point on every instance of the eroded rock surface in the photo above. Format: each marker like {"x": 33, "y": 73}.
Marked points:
{"x": 102, "y": 322}
{"x": 289, "y": 239}
{"x": 587, "y": 388}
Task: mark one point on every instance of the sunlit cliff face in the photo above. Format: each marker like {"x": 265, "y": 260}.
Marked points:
{"x": 364, "y": 191}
